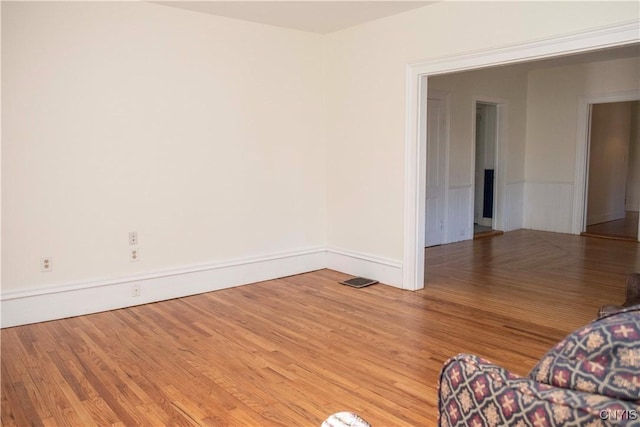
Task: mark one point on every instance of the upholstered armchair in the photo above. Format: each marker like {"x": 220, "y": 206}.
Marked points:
{"x": 591, "y": 378}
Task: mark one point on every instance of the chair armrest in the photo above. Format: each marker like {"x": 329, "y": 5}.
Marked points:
{"x": 474, "y": 392}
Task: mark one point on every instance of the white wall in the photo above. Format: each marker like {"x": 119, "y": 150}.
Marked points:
{"x": 608, "y": 161}
{"x": 203, "y": 134}
{"x": 552, "y": 117}
{"x": 633, "y": 177}
{"x": 508, "y": 84}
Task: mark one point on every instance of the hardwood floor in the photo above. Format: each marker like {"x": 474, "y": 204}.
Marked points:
{"x": 626, "y": 228}
{"x": 294, "y": 350}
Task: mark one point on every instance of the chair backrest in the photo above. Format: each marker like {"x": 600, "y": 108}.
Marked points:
{"x": 602, "y": 357}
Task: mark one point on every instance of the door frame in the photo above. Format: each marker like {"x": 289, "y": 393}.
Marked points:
{"x": 583, "y": 145}
{"x": 500, "y": 185}
{"x": 417, "y": 74}
{"x": 445, "y": 97}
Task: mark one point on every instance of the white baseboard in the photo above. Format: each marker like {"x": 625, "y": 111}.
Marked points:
{"x": 384, "y": 270}
{"x": 605, "y": 217}
{"x": 39, "y": 305}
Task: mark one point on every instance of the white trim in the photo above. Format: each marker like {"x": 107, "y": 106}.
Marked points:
{"x": 582, "y": 151}
{"x": 385, "y": 270}
{"x": 75, "y": 299}
{"x": 19, "y": 308}
{"x": 549, "y": 47}
{"x": 416, "y": 84}
{"x": 502, "y": 158}
{"x": 414, "y": 181}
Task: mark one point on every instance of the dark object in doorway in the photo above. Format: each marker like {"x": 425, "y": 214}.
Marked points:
{"x": 359, "y": 282}
{"x": 487, "y": 205}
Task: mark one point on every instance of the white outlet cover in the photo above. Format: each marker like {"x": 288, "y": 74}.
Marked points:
{"x": 46, "y": 264}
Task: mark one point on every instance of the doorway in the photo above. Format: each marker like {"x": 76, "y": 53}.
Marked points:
{"x": 613, "y": 171}
{"x": 486, "y": 134}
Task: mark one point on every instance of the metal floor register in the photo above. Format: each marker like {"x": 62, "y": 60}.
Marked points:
{"x": 359, "y": 282}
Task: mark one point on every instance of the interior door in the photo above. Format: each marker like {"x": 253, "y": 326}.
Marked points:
{"x": 436, "y": 172}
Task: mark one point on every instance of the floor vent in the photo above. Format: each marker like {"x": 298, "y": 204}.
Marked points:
{"x": 359, "y": 282}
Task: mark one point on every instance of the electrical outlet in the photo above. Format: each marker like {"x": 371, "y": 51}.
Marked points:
{"x": 134, "y": 255}
{"x": 46, "y": 264}
{"x": 133, "y": 238}
{"x": 135, "y": 290}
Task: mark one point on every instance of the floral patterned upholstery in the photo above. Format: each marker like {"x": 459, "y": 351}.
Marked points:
{"x": 591, "y": 378}
{"x": 602, "y": 357}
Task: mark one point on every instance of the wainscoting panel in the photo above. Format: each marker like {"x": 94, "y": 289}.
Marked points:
{"x": 460, "y": 214}
{"x": 514, "y": 206}
{"x": 548, "y": 206}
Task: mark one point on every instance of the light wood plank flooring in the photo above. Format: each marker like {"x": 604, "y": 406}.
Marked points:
{"x": 294, "y": 350}
{"x": 626, "y": 228}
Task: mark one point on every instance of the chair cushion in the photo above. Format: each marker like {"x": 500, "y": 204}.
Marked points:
{"x": 602, "y": 357}
{"x": 475, "y": 392}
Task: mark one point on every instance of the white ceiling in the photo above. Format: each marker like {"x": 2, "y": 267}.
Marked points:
{"x": 314, "y": 16}
{"x": 326, "y": 16}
